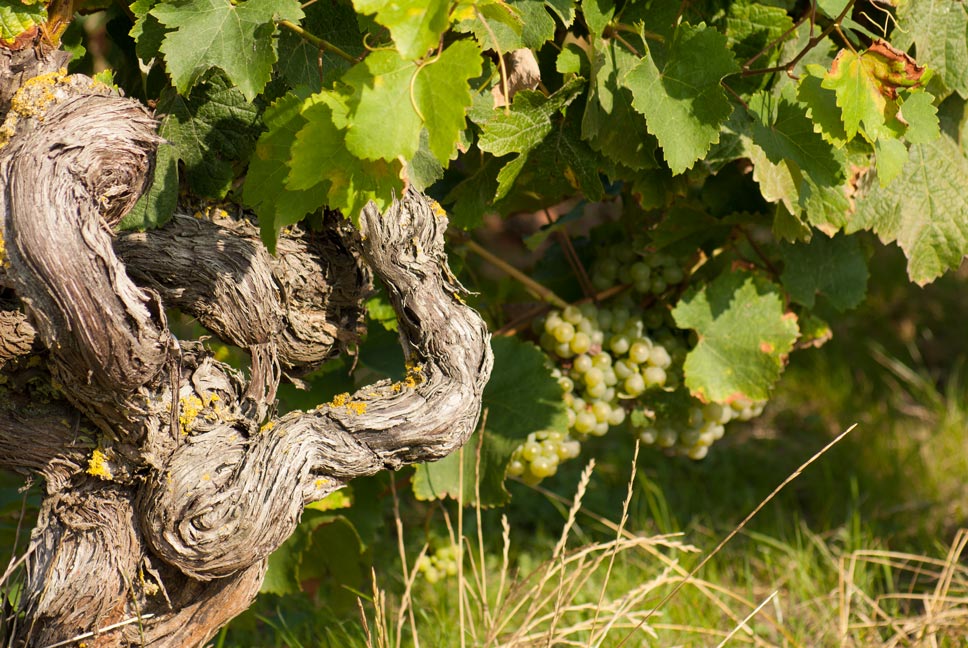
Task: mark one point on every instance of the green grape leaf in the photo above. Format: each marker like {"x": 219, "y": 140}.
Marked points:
{"x": 561, "y": 165}
{"x": 937, "y": 29}
{"x": 889, "y": 157}
{"x": 529, "y": 120}
{"x": 17, "y": 17}
{"x": 321, "y": 161}
{"x": 415, "y": 25}
{"x": 597, "y": 15}
{"x": 744, "y": 337}
{"x": 683, "y": 102}
{"x": 496, "y": 25}
{"x": 237, "y": 37}
{"x": 423, "y": 169}
{"x": 156, "y": 205}
{"x": 789, "y": 135}
{"x": 265, "y": 182}
{"x": 751, "y": 27}
{"x": 822, "y": 106}
{"x": 922, "y": 210}
{"x": 473, "y": 197}
{"x": 301, "y": 62}
{"x": 610, "y": 124}
{"x": 521, "y": 397}
{"x": 209, "y": 129}
{"x": 564, "y": 9}
{"x": 921, "y": 116}
{"x": 538, "y": 27}
{"x": 147, "y": 32}
{"x": 834, "y": 268}
{"x": 435, "y": 94}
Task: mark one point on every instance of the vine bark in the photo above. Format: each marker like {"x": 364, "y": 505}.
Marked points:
{"x": 168, "y": 476}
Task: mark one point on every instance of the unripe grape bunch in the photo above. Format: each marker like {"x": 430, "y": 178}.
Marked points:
{"x": 437, "y": 565}
{"x": 620, "y": 363}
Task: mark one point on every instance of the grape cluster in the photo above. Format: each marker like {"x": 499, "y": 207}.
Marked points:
{"x": 442, "y": 563}
{"x": 620, "y": 363}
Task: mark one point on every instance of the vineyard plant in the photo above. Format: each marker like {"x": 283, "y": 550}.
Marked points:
{"x": 221, "y": 220}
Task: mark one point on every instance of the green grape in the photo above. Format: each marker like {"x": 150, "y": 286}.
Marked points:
{"x": 585, "y": 422}
{"x": 567, "y": 384}
{"x": 597, "y": 391}
{"x": 697, "y": 452}
{"x": 530, "y": 450}
{"x": 617, "y": 416}
{"x": 581, "y": 343}
{"x": 654, "y": 376}
{"x": 667, "y": 438}
{"x": 623, "y": 370}
{"x": 515, "y": 467}
{"x": 659, "y": 286}
{"x": 601, "y": 429}
{"x": 634, "y": 385}
{"x": 601, "y": 360}
{"x": 564, "y": 332}
{"x": 571, "y": 314}
{"x": 594, "y": 376}
{"x": 640, "y": 272}
{"x": 569, "y": 449}
{"x": 673, "y": 275}
{"x": 582, "y": 363}
{"x": 640, "y": 352}
{"x": 659, "y": 357}
{"x": 602, "y": 410}
{"x": 619, "y": 345}
{"x": 542, "y": 468}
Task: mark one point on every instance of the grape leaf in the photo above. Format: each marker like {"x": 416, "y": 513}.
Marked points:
{"x": 921, "y": 116}
{"x": 561, "y": 165}
{"x": 302, "y": 63}
{"x": 937, "y": 29}
{"x": 610, "y": 124}
{"x": 156, "y": 205}
{"x": 834, "y": 268}
{"x": 822, "y": 106}
{"x": 521, "y": 397}
{"x": 147, "y": 31}
{"x": 565, "y": 9}
{"x": 237, "y": 37}
{"x": 866, "y": 86}
{"x": 750, "y": 27}
{"x": 496, "y": 25}
{"x": 415, "y": 25}
{"x": 744, "y": 337}
{"x": 789, "y": 135}
{"x": 538, "y": 27}
{"x": 597, "y": 15}
{"x": 17, "y": 17}
{"x": 683, "y": 102}
{"x": 211, "y": 127}
{"x": 435, "y": 94}
{"x": 265, "y": 188}
{"x": 923, "y": 209}
{"x": 321, "y": 161}
{"x": 522, "y": 128}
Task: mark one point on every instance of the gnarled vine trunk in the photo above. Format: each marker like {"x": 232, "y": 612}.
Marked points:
{"x": 169, "y": 478}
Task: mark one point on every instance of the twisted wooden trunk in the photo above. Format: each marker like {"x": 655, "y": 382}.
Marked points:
{"x": 169, "y": 478}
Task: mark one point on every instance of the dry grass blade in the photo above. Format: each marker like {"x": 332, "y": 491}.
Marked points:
{"x": 796, "y": 473}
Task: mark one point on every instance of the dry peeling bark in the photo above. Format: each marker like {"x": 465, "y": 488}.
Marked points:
{"x": 169, "y": 479}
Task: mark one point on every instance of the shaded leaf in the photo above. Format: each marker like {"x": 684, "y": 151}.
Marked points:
{"x": 834, "y": 268}
{"x": 937, "y": 29}
{"x": 209, "y": 129}
{"x": 156, "y": 205}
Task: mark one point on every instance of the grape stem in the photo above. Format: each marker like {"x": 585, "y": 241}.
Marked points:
{"x": 539, "y": 291}
{"x": 576, "y": 265}
{"x": 315, "y": 40}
